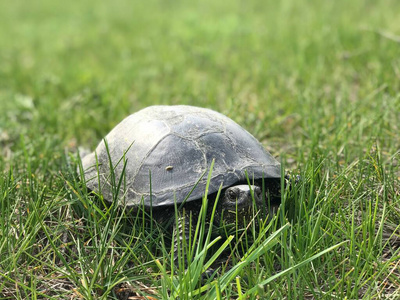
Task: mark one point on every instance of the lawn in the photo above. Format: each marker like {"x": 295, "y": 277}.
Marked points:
{"x": 316, "y": 82}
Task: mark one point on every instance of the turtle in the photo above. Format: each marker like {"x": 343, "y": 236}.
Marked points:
{"x": 160, "y": 158}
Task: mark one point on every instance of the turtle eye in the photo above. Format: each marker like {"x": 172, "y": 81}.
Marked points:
{"x": 232, "y": 195}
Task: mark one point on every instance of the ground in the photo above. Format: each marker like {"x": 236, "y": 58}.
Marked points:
{"x": 317, "y": 82}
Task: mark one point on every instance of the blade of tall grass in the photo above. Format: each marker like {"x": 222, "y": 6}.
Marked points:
{"x": 291, "y": 269}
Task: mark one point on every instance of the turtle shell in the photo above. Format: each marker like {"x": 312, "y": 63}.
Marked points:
{"x": 158, "y": 154}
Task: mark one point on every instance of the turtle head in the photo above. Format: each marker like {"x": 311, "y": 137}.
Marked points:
{"x": 239, "y": 204}
{"x": 241, "y": 196}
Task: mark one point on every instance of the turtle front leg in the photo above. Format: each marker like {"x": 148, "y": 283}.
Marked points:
{"x": 183, "y": 233}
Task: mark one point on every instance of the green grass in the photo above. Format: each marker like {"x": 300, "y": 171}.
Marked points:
{"x": 317, "y": 82}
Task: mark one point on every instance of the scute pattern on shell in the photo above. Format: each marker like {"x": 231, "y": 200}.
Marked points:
{"x": 175, "y": 145}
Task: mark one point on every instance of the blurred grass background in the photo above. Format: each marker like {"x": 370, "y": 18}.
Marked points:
{"x": 317, "y": 82}
{"x": 76, "y": 69}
